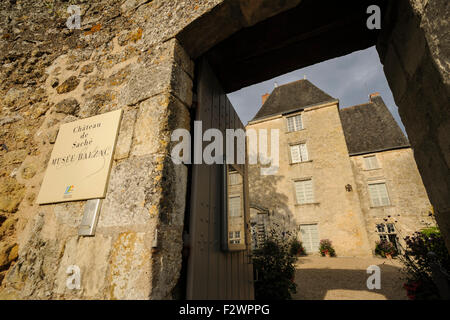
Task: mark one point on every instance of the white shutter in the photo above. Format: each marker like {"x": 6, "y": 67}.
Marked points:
{"x": 304, "y": 191}
{"x": 304, "y": 152}
{"x": 295, "y": 154}
{"x": 384, "y": 194}
{"x": 235, "y": 206}
{"x": 290, "y": 121}
{"x": 371, "y": 162}
{"x": 378, "y": 194}
{"x": 295, "y": 123}
{"x": 298, "y": 122}
{"x": 299, "y": 153}
{"x": 310, "y": 237}
{"x": 299, "y": 192}
{"x": 235, "y": 178}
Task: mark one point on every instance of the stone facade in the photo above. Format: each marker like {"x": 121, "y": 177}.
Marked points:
{"x": 409, "y": 209}
{"x": 335, "y": 211}
{"x": 341, "y": 209}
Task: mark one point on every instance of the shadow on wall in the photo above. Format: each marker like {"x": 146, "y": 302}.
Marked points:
{"x": 263, "y": 192}
{"x": 347, "y": 284}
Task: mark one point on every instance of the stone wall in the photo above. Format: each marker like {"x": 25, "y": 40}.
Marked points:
{"x": 414, "y": 50}
{"x": 124, "y": 57}
{"x": 409, "y": 208}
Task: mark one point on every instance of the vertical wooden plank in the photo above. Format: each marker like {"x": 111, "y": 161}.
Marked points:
{"x": 222, "y": 261}
{"x": 212, "y": 251}
{"x": 195, "y": 259}
{"x": 230, "y": 270}
{"x": 200, "y": 212}
{"x": 249, "y": 265}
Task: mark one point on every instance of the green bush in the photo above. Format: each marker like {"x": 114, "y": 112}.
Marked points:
{"x": 297, "y": 248}
{"x": 418, "y": 264}
{"x": 325, "y": 247}
{"x": 274, "y": 268}
{"x": 431, "y": 231}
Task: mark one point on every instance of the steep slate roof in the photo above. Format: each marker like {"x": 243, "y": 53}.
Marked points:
{"x": 292, "y": 96}
{"x": 371, "y": 127}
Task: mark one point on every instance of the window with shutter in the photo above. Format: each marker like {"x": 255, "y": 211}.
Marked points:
{"x": 380, "y": 227}
{"x": 390, "y": 228}
{"x": 304, "y": 191}
{"x": 235, "y": 206}
{"x": 295, "y": 154}
{"x": 295, "y": 123}
{"x": 310, "y": 237}
{"x": 235, "y": 178}
{"x": 378, "y": 194}
{"x": 299, "y": 153}
{"x": 371, "y": 163}
{"x": 303, "y": 152}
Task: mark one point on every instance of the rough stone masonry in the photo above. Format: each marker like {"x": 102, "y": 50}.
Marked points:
{"x": 126, "y": 55}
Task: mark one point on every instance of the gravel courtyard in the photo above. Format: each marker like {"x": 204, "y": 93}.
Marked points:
{"x": 341, "y": 278}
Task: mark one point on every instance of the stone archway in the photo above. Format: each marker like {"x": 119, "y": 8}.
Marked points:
{"x": 151, "y": 81}
{"x": 248, "y": 42}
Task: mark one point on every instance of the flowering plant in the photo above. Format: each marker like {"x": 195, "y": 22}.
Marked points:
{"x": 418, "y": 263}
{"x": 382, "y": 248}
{"x": 326, "y": 248}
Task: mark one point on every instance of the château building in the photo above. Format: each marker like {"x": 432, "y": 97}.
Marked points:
{"x": 347, "y": 175}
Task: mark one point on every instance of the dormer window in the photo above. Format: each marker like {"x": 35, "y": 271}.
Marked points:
{"x": 295, "y": 123}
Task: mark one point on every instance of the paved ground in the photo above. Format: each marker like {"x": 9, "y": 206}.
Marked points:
{"x": 321, "y": 278}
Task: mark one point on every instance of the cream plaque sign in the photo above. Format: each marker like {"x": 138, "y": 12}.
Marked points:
{"x": 81, "y": 159}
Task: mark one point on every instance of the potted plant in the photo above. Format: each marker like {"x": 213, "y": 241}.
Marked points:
{"x": 385, "y": 249}
{"x": 326, "y": 249}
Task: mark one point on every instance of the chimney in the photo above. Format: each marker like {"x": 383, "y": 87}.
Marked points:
{"x": 373, "y": 95}
{"x": 264, "y": 97}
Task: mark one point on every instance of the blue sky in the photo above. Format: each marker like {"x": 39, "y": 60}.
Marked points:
{"x": 349, "y": 78}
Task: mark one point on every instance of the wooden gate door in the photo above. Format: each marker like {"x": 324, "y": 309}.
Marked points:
{"x": 214, "y": 273}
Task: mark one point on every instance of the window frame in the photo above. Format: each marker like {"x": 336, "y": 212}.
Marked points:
{"x": 366, "y": 161}
{"x": 372, "y": 204}
{"x": 295, "y": 129}
{"x": 304, "y": 180}
{"x": 240, "y": 206}
{"x": 298, "y": 146}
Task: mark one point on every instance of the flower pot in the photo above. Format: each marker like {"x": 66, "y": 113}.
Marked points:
{"x": 388, "y": 256}
{"x": 327, "y": 254}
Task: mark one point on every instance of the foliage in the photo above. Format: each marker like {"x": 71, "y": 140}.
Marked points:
{"x": 382, "y": 248}
{"x": 418, "y": 263}
{"x": 274, "y": 268}
{"x": 326, "y": 247}
{"x": 431, "y": 231}
{"x": 296, "y": 248}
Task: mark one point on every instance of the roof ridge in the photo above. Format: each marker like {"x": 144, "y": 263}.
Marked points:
{"x": 296, "y": 94}
{"x": 357, "y": 105}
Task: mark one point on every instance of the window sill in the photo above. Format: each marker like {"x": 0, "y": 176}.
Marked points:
{"x": 307, "y": 204}
{"x": 372, "y": 169}
{"x": 286, "y": 132}
{"x": 294, "y": 163}
{"x": 377, "y": 207}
